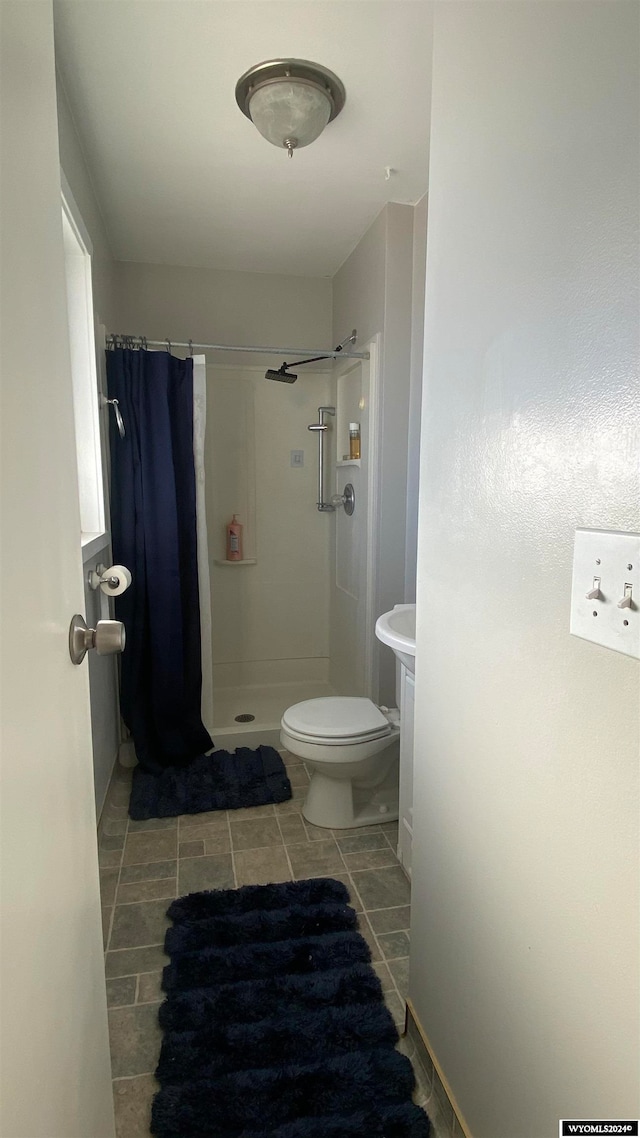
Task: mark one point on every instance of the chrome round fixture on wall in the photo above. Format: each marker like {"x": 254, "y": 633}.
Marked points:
{"x": 290, "y": 101}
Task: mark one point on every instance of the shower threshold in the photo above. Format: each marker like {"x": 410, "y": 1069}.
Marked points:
{"x": 266, "y": 703}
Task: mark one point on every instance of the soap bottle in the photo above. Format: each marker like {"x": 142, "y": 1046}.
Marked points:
{"x": 234, "y": 539}
{"x": 354, "y": 440}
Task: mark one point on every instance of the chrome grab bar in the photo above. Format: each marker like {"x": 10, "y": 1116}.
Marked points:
{"x": 320, "y": 427}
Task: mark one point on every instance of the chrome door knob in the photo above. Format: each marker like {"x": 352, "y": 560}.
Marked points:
{"x": 107, "y": 638}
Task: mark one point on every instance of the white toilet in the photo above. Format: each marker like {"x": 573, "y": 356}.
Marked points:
{"x": 351, "y": 750}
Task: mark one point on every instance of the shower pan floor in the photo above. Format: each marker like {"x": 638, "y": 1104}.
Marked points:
{"x": 266, "y": 703}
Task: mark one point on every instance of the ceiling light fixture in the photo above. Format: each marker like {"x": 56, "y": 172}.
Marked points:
{"x": 290, "y": 101}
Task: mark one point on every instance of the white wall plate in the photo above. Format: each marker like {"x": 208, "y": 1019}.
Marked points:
{"x": 605, "y": 591}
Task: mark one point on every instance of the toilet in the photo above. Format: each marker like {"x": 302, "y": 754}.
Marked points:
{"x": 350, "y": 748}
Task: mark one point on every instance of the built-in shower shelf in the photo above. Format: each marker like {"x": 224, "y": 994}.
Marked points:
{"x": 245, "y": 561}
{"x": 349, "y": 462}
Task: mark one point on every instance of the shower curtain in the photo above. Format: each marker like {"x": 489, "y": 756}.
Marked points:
{"x": 155, "y": 532}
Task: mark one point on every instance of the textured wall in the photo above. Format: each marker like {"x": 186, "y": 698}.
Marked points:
{"x": 224, "y": 307}
{"x": 524, "y": 962}
{"x": 372, "y": 292}
{"x": 415, "y": 395}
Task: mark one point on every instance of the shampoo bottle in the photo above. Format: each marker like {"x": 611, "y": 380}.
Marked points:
{"x": 234, "y": 540}
{"x": 354, "y": 440}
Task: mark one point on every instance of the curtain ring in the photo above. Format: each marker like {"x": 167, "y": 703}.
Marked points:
{"x": 169, "y": 346}
{"x": 191, "y": 348}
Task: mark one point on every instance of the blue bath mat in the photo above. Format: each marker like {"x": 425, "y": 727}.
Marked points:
{"x": 275, "y": 1024}
{"x": 220, "y": 781}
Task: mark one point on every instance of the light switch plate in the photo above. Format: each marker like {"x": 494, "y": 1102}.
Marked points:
{"x": 607, "y": 563}
{"x": 297, "y": 458}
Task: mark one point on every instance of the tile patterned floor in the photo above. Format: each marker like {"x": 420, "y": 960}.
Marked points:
{"x": 145, "y": 864}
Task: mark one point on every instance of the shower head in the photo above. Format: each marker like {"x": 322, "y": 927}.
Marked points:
{"x": 282, "y": 375}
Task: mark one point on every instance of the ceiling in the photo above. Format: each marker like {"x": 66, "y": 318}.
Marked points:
{"x": 183, "y": 178}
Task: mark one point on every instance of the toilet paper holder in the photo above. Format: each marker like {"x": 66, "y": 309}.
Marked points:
{"x": 102, "y": 576}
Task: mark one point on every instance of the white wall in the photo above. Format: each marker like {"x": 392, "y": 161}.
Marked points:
{"x": 223, "y": 307}
{"x": 524, "y": 965}
{"x": 372, "y": 292}
{"x": 415, "y": 395}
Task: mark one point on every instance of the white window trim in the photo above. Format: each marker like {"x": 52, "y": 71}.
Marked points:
{"x": 90, "y": 416}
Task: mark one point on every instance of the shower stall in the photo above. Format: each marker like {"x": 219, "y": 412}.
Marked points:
{"x": 277, "y": 637}
{"x": 270, "y": 611}
{"x": 293, "y": 619}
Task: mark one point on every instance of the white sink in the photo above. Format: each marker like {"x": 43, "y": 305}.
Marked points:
{"x": 398, "y": 629}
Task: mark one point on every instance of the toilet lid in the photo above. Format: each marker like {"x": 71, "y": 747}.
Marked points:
{"x": 336, "y": 717}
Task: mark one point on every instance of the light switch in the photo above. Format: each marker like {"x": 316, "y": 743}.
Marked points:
{"x": 605, "y": 592}
{"x": 297, "y": 458}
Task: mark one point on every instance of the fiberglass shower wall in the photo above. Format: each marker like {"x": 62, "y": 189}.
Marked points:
{"x": 270, "y": 613}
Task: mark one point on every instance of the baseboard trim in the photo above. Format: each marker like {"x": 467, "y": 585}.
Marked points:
{"x": 411, "y": 1015}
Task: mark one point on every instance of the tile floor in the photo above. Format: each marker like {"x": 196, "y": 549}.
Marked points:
{"x": 143, "y": 865}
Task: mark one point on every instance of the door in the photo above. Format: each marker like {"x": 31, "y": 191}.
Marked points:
{"x": 55, "y": 1061}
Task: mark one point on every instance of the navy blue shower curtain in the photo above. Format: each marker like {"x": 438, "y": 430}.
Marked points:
{"x": 153, "y": 525}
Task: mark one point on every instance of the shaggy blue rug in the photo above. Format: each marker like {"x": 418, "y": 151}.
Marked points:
{"x": 275, "y": 1024}
{"x": 223, "y": 780}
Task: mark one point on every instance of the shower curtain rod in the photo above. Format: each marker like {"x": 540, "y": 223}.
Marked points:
{"x": 115, "y": 341}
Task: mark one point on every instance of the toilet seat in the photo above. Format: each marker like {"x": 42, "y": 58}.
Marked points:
{"x": 336, "y": 721}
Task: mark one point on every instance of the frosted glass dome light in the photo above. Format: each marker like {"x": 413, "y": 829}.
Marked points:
{"x": 290, "y": 101}
{"x": 288, "y": 111}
